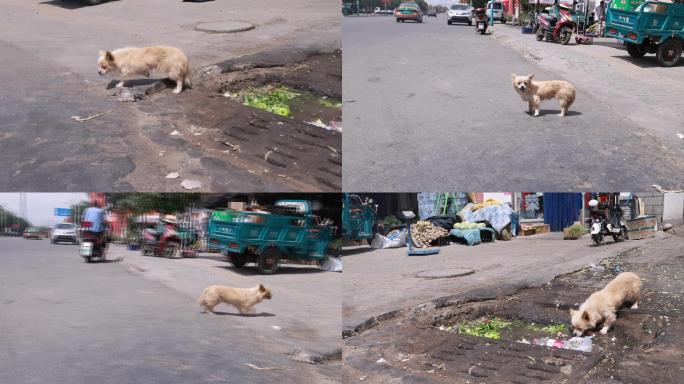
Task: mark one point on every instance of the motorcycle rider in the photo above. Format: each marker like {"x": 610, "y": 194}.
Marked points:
{"x": 95, "y": 215}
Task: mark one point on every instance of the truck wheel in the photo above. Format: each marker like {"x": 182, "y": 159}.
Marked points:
{"x": 668, "y": 53}
{"x": 566, "y": 38}
{"x": 267, "y": 263}
{"x": 172, "y": 251}
{"x": 238, "y": 259}
{"x": 637, "y": 50}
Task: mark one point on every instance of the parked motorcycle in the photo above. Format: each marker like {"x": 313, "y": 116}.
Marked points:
{"x": 604, "y": 225}
{"x": 556, "y": 26}
{"x": 93, "y": 245}
{"x": 162, "y": 242}
{"x": 481, "y": 20}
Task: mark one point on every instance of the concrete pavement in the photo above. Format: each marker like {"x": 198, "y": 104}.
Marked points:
{"x": 431, "y": 107}
{"x": 306, "y": 298}
{"x": 50, "y": 74}
{"x": 377, "y": 282}
{"x": 65, "y": 321}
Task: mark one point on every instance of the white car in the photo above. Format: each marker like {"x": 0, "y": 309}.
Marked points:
{"x": 499, "y": 11}
{"x": 64, "y": 232}
{"x": 460, "y": 13}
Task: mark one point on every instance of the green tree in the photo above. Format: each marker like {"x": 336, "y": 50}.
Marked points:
{"x": 8, "y": 220}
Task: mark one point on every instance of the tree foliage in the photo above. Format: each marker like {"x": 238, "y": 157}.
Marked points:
{"x": 8, "y": 219}
{"x": 138, "y": 203}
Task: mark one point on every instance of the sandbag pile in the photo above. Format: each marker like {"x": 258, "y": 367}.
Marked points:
{"x": 423, "y": 233}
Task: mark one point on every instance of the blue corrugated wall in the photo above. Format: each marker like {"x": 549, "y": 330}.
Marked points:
{"x": 561, "y": 209}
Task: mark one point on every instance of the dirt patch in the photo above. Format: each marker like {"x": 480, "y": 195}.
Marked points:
{"x": 433, "y": 343}
{"x": 229, "y": 138}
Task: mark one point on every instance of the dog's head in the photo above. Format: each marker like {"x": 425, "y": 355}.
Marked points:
{"x": 265, "y": 292}
{"x": 583, "y": 321}
{"x": 522, "y": 83}
{"x": 105, "y": 63}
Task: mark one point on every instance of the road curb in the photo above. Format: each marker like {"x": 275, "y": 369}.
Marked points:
{"x": 486, "y": 292}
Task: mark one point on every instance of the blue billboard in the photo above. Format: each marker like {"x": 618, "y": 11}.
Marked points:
{"x": 62, "y": 211}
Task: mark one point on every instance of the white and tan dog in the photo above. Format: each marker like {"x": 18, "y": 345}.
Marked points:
{"x": 602, "y": 306}
{"x": 244, "y": 299}
{"x": 535, "y": 91}
{"x": 141, "y": 61}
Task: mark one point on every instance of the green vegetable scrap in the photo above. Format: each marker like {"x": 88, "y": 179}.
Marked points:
{"x": 489, "y": 328}
{"x": 275, "y": 100}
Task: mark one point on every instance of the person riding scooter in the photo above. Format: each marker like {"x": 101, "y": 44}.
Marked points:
{"x": 481, "y": 20}
{"x": 94, "y": 228}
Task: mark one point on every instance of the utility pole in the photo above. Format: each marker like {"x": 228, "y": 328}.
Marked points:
{"x": 22, "y": 206}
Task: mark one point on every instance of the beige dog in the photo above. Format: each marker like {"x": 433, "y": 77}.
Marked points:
{"x": 602, "y": 306}
{"x": 141, "y": 61}
{"x": 242, "y": 298}
{"x": 535, "y": 91}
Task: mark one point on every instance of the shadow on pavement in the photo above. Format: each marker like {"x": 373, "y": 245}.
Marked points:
{"x": 262, "y": 314}
{"x": 252, "y": 271}
{"x": 356, "y": 251}
{"x": 70, "y": 4}
{"x": 647, "y": 61}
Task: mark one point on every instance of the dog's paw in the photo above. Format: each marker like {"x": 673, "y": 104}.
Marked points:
{"x": 120, "y": 84}
{"x": 604, "y": 330}
{"x": 635, "y": 306}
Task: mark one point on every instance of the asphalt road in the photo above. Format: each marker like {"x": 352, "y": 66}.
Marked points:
{"x": 431, "y": 107}
{"x": 65, "y": 321}
{"x": 49, "y": 74}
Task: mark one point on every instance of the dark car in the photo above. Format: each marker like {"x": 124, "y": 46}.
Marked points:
{"x": 432, "y": 14}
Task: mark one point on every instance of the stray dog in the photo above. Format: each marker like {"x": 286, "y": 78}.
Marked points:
{"x": 602, "y": 306}
{"x": 141, "y": 61}
{"x": 242, "y": 298}
{"x": 535, "y": 91}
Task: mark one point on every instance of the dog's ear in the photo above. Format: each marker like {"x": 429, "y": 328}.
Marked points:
{"x": 109, "y": 56}
{"x": 262, "y": 288}
{"x": 101, "y": 52}
{"x": 572, "y": 312}
{"x": 585, "y": 316}
{"x": 513, "y": 76}
{"x": 530, "y": 76}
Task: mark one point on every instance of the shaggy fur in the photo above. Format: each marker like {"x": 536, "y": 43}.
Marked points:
{"x": 242, "y": 298}
{"x": 535, "y": 91}
{"x": 141, "y": 61}
{"x": 602, "y": 306}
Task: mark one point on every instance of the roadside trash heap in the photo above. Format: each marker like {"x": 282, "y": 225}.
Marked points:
{"x": 474, "y": 224}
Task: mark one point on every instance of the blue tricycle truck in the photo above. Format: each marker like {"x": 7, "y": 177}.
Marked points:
{"x": 359, "y": 218}
{"x": 287, "y": 230}
{"x": 653, "y": 27}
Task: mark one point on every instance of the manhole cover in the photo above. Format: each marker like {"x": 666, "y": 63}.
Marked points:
{"x": 444, "y": 273}
{"x": 224, "y": 26}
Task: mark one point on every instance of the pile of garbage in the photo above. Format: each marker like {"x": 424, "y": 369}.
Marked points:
{"x": 424, "y": 233}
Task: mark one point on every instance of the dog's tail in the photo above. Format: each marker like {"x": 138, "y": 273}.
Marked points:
{"x": 200, "y": 300}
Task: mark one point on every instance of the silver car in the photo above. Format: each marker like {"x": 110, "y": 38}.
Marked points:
{"x": 64, "y": 232}
{"x": 499, "y": 11}
{"x": 459, "y": 13}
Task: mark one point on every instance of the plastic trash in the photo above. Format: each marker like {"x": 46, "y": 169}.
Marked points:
{"x": 332, "y": 264}
{"x": 596, "y": 269}
{"x": 395, "y": 240}
{"x": 582, "y": 344}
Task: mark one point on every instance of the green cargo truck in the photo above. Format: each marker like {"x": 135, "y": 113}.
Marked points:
{"x": 287, "y": 231}
{"x": 653, "y": 27}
